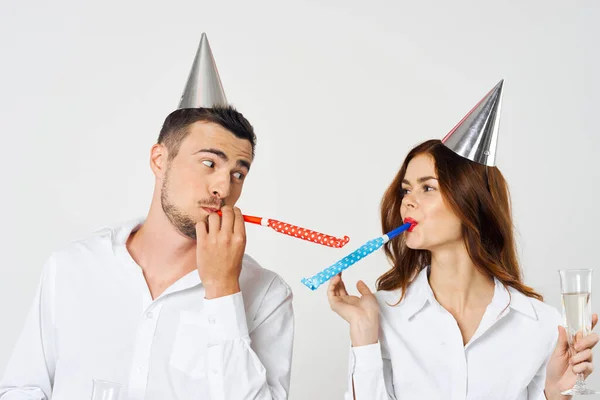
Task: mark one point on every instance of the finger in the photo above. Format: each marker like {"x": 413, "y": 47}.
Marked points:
{"x": 587, "y": 342}
{"x": 239, "y": 227}
{"x": 214, "y": 224}
{"x": 339, "y": 289}
{"x": 575, "y": 339}
{"x": 333, "y": 284}
{"x": 342, "y": 287}
{"x": 227, "y": 219}
{"x": 363, "y": 288}
{"x": 585, "y": 355}
{"x": 594, "y": 320}
{"x": 332, "y": 289}
{"x": 201, "y": 230}
{"x": 562, "y": 344}
{"x": 585, "y": 368}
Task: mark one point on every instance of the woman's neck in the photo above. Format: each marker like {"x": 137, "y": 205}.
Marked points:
{"x": 456, "y": 282}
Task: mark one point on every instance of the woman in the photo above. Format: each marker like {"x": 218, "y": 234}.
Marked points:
{"x": 452, "y": 318}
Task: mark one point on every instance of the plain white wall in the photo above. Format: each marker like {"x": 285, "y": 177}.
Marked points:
{"x": 338, "y": 92}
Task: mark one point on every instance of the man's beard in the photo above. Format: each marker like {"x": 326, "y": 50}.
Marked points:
{"x": 184, "y": 223}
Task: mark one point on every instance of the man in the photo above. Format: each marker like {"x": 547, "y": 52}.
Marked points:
{"x": 169, "y": 307}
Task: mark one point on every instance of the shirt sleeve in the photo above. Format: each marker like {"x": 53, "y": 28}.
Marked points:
{"x": 256, "y": 364}
{"x": 369, "y": 374}
{"x": 535, "y": 389}
{"x": 29, "y": 374}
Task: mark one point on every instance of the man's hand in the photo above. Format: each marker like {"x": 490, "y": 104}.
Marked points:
{"x": 221, "y": 242}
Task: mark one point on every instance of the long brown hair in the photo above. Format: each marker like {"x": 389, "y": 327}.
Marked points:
{"x": 479, "y": 196}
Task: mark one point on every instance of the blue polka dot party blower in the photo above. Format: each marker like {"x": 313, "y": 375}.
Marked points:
{"x": 372, "y": 245}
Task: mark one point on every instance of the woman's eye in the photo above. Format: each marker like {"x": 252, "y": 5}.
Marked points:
{"x": 208, "y": 163}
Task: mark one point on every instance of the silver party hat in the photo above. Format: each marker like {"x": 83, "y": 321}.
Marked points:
{"x": 476, "y": 135}
{"x": 203, "y": 87}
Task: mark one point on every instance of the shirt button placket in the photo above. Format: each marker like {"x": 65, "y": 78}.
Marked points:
{"x": 142, "y": 352}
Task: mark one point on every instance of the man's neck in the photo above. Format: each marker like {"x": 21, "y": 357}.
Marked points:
{"x": 164, "y": 254}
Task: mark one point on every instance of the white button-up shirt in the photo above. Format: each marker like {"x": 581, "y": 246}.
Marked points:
{"x": 93, "y": 318}
{"x": 420, "y": 354}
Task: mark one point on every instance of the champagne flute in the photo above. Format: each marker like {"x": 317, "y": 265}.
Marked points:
{"x": 576, "y": 293}
{"x": 105, "y": 390}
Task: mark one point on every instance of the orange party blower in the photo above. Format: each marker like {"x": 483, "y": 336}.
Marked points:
{"x": 297, "y": 232}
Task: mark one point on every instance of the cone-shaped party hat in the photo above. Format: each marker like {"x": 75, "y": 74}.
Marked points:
{"x": 476, "y": 135}
{"x": 203, "y": 87}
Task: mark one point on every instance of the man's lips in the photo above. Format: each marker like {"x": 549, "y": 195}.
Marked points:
{"x": 412, "y": 223}
{"x": 210, "y": 210}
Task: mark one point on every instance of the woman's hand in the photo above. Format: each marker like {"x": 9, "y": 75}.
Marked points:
{"x": 362, "y": 313}
{"x": 565, "y": 364}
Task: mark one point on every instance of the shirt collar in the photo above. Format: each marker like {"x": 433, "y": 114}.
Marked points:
{"x": 419, "y": 293}
{"x": 509, "y": 297}
{"x": 119, "y": 243}
{"x": 122, "y": 233}
{"x": 520, "y": 302}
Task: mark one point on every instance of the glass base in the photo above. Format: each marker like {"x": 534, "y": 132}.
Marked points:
{"x": 579, "y": 390}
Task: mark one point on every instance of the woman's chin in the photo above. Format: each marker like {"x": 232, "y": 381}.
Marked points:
{"x": 414, "y": 245}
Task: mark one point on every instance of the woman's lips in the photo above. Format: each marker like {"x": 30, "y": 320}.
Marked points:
{"x": 412, "y": 223}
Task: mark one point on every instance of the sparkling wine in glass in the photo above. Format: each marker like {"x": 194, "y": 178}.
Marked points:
{"x": 576, "y": 293}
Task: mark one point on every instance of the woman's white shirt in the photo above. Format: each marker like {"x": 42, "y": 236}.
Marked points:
{"x": 420, "y": 354}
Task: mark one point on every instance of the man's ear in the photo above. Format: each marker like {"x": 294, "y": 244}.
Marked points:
{"x": 158, "y": 159}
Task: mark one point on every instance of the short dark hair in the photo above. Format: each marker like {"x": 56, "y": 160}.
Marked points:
{"x": 175, "y": 127}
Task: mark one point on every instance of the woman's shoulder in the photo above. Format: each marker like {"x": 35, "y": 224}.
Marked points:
{"x": 389, "y": 297}
{"x": 392, "y": 306}
{"x": 543, "y": 312}
{"x": 416, "y": 290}
{"x": 396, "y": 302}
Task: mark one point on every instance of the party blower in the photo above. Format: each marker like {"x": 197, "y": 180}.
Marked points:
{"x": 372, "y": 245}
{"x": 297, "y": 232}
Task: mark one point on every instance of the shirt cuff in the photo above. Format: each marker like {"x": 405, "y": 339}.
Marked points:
{"x": 225, "y": 318}
{"x": 367, "y": 358}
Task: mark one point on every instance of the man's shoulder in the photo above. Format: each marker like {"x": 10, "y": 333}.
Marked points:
{"x": 95, "y": 245}
{"x": 254, "y": 271}
{"x": 256, "y": 277}
{"x": 91, "y": 243}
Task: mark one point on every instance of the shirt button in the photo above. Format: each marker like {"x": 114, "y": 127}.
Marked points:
{"x": 149, "y": 315}
{"x": 212, "y": 320}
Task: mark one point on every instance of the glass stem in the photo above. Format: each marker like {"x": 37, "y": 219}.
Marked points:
{"x": 580, "y": 380}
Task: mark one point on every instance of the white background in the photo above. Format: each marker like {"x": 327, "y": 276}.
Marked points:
{"x": 338, "y": 92}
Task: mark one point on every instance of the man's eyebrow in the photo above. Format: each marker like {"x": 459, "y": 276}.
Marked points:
{"x": 216, "y": 152}
{"x": 223, "y": 156}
